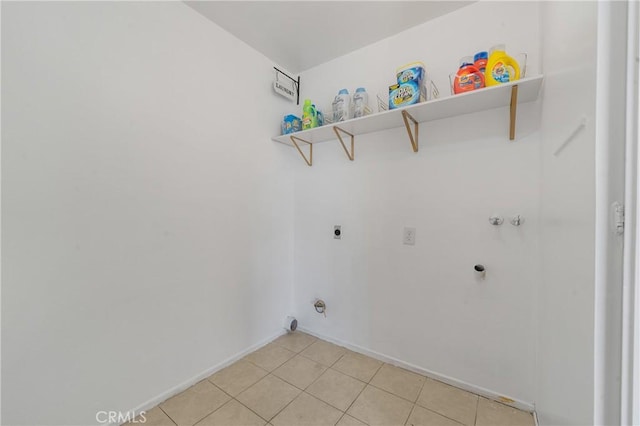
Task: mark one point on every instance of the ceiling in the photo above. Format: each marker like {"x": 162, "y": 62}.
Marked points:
{"x": 298, "y": 35}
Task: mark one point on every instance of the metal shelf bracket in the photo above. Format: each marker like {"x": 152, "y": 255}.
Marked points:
{"x": 337, "y": 130}
{"x": 309, "y": 160}
{"x": 413, "y": 137}
{"x": 512, "y": 112}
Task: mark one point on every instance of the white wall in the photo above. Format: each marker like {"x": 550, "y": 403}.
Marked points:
{"x": 565, "y": 373}
{"x": 146, "y": 225}
{"x": 420, "y": 304}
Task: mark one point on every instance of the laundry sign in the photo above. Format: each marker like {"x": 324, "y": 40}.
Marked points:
{"x": 285, "y": 86}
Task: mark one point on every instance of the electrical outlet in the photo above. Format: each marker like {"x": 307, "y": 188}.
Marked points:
{"x": 409, "y": 236}
{"x": 337, "y": 232}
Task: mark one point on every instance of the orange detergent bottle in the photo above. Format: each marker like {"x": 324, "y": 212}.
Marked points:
{"x": 468, "y": 77}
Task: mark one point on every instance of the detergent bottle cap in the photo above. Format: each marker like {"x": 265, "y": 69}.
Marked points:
{"x": 343, "y": 92}
{"x": 360, "y": 90}
{"x": 466, "y": 60}
{"x": 498, "y": 48}
{"x": 480, "y": 55}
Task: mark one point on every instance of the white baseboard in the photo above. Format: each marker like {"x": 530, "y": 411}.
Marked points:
{"x": 203, "y": 375}
{"x": 522, "y": 405}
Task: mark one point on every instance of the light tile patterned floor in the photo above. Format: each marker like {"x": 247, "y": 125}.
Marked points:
{"x": 298, "y": 380}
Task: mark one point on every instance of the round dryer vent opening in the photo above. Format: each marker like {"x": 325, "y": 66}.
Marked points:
{"x": 290, "y": 324}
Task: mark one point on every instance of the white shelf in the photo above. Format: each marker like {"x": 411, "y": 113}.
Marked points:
{"x": 526, "y": 90}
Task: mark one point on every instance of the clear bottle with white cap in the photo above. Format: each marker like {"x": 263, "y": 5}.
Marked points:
{"x": 360, "y": 102}
{"x": 341, "y": 106}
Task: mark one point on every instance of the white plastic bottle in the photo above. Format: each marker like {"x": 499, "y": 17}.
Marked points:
{"x": 360, "y": 102}
{"x": 341, "y": 106}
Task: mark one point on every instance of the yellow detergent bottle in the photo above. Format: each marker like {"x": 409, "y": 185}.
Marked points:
{"x": 501, "y": 68}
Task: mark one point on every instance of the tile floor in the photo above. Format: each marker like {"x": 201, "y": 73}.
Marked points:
{"x": 298, "y": 380}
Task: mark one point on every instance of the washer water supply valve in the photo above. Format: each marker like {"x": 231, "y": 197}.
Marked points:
{"x": 496, "y": 220}
{"x": 517, "y": 220}
{"x": 320, "y": 307}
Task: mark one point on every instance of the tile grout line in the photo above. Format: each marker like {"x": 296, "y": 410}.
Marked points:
{"x": 442, "y": 415}
{"x": 391, "y": 393}
{"x": 415, "y": 403}
{"x": 320, "y": 340}
{"x": 329, "y": 368}
{"x": 283, "y": 408}
{"x": 314, "y": 380}
{"x": 311, "y": 359}
{"x": 475, "y": 420}
{"x": 421, "y": 389}
{"x": 354, "y": 377}
{"x": 247, "y": 407}
{"x": 304, "y": 391}
{"x": 225, "y": 403}
{"x": 475, "y": 394}
{"x": 291, "y": 384}
{"x": 208, "y": 414}
{"x": 325, "y": 402}
{"x": 344, "y": 413}
{"x": 298, "y": 352}
{"x": 234, "y": 398}
{"x": 317, "y": 378}
{"x": 436, "y": 412}
{"x": 300, "y": 389}
{"x": 365, "y": 386}
{"x": 339, "y": 358}
{"x": 410, "y": 412}
{"x": 239, "y": 402}
{"x": 328, "y": 403}
{"x": 271, "y": 373}
{"x": 353, "y": 402}
{"x": 278, "y": 366}
{"x": 165, "y": 413}
{"x": 341, "y": 417}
